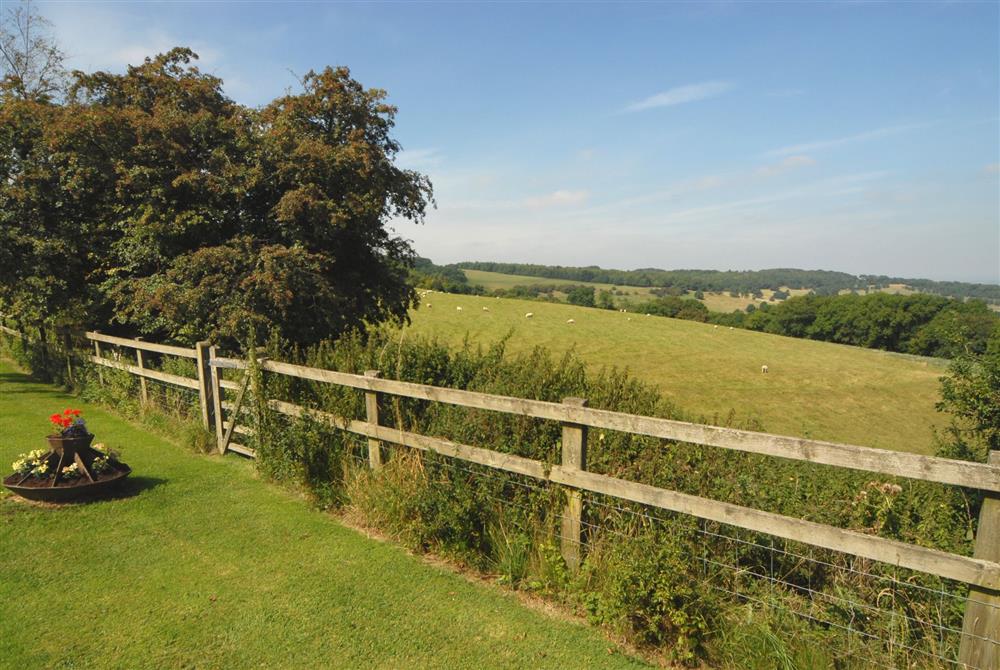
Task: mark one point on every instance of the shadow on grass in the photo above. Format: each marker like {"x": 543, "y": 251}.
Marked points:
{"x": 16, "y": 382}
{"x": 133, "y": 486}
{"x": 130, "y": 487}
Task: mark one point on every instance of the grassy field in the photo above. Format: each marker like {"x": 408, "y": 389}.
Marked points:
{"x": 201, "y": 565}
{"x": 814, "y": 389}
{"x": 716, "y": 302}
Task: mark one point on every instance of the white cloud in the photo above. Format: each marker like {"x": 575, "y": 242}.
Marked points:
{"x": 418, "y": 159}
{"x": 786, "y": 164}
{"x": 816, "y": 145}
{"x": 681, "y": 95}
{"x": 560, "y": 197}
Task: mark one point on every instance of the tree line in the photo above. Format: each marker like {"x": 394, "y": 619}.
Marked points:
{"x": 822, "y": 282}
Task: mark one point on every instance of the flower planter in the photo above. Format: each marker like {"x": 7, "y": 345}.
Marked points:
{"x": 71, "y": 470}
{"x": 79, "y": 489}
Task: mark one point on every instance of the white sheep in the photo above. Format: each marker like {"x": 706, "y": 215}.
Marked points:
{"x": 458, "y": 309}
{"x": 715, "y": 327}
{"x": 763, "y": 369}
{"x": 629, "y": 319}
{"x": 486, "y": 309}
{"x": 529, "y": 315}
{"x": 570, "y": 320}
{"x": 429, "y": 305}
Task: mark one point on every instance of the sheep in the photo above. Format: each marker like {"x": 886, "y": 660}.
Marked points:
{"x": 763, "y": 369}
{"x": 715, "y": 327}
{"x": 458, "y": 309}
{"x": 629, "y": 319}
{"x": 570, "y": 320}
{"x": 730, "y": 327}
{"x": 486, "y": 309}
{"x": 529, "y": 315}
{"x": 428, "y": 305}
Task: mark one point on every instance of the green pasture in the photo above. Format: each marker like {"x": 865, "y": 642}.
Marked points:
{"x": 813, "y": 389}
{"x": 201, "y": 565}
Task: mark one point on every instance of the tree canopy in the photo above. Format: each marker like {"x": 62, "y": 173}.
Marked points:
{"x": 150, "y": 202}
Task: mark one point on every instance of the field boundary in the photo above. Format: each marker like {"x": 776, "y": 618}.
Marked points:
{"x": 980, "y": 644}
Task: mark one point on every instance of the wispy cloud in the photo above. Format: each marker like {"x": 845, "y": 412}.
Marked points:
{"x": 681, "y": 95}
{"x": 818, "y": 145}
{"x": 560, "y": 197}
{"x": 418, "y": 159}
{"x": 785, "y": 165}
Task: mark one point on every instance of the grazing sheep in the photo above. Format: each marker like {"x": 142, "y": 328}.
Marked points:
{"x": 486, "y": 309}
{"x": 458, "y": 309}
{"x": 763, "y": 369}
{"x": 730, "y": 327}
{"x": 570, "y": 320}
{"x": 629, "y": 319}
{"x": 529, "y": 315}
{"x": 429, "y": 305}
{"x": 649, "y": 315}
{"x": 715, "y": 327}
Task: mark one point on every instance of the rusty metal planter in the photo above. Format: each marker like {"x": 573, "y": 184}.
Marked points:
{"x": 56, "y": 488}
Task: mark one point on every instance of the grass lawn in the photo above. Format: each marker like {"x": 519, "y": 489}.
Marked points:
{"x": 814, "y": 389}
{"x": 203, "y": 566}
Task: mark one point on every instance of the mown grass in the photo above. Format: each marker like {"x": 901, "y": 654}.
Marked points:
{"x": 813, "y": 389}
{"x": 201, "y": 565}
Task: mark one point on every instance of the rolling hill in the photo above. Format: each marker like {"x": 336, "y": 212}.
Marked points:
{"x": 813, "y": 389}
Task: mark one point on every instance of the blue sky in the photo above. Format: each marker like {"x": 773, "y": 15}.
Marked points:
{"x": 862, "y": 137}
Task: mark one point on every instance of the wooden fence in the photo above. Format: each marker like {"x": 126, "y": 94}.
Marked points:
{"x": 980, "y": 640}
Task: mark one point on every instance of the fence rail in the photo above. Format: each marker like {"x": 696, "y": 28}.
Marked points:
{"x": 980, "y": 641}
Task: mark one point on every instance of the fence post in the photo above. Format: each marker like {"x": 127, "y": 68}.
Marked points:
{"x": 97, "y": 352}
{"x": 980, "y": 645}
{"x": 371, "y": 413}
{"x": 574, "y": 456}
{"x": 143, "y": 391}
{"x": 68, "y": 349}
{"x": 216, "y": 389}
{"x": 201, "y": 349}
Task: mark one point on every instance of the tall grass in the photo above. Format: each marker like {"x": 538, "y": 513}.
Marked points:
{"x": 668, "y": 583}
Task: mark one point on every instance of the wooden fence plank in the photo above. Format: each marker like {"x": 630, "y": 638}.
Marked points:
{"x": 141, "y": 364}
{"x": 901, "y": 464}
{"x": 177, "y": 380}
{"x": 233, "y": 416}
{"x": 371, "y": 413}
{"x": 204, "y": 383}
{"x": 242, "y": 450}
{"x": 932, "y": 561}
{"x": 980, "y": 645}
{"x": 574, "y": 456}
{"x": 136, "y": 344}
{"x": 97, "y": 358}
{"x": 215, "y": 378}
{"x": 974, "y": 571}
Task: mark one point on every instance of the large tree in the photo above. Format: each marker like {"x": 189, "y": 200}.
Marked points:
{"x": 152, "y": 201}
